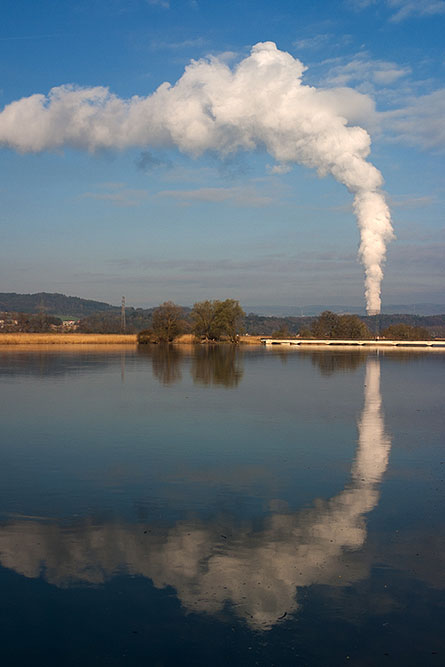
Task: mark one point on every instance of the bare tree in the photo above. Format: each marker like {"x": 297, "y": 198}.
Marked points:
{"x": 168, "y": 321}
{"x": 214, "y": 320}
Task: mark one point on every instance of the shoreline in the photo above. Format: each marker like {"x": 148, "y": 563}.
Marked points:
{"x": 66, "y": 339}
{"x": 130, "y": 340}
{"x": 100, "y": 339}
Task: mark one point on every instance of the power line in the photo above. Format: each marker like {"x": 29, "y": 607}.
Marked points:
{"x": 123, "y": 320}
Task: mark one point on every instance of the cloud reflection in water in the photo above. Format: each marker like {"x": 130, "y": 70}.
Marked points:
{"x": 256, "y": 572}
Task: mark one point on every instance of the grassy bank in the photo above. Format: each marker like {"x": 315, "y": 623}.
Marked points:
{"x": 95, "y": 339}
{"x": 66, "y": 339}
{"x": 250, "y": 340}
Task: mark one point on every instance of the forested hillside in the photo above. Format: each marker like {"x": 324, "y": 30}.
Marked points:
{"x": 51, "y": 304}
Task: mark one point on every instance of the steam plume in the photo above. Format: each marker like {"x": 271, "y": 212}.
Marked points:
{"x": 260, "y": 103}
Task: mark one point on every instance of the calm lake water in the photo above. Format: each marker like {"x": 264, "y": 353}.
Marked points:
{"x": 214, "y": 506}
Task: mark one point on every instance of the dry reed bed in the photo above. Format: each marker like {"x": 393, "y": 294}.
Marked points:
{"x": 66, "y": 339}
{"x": 250, "y": 340}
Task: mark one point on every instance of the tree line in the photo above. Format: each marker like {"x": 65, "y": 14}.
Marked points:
{"x": 225, "y": 320}
{"x": 212, "y": 321}
{"x": 352, "y": 327}
{"x": 28, "y": 322}
{"x": 209, "y": 321}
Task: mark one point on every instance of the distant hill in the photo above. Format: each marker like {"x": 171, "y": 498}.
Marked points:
{"x": 52, "y": 304}
{"x": 314, "y": 310}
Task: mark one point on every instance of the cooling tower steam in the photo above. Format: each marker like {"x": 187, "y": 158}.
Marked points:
{"x": 259, "y": 104}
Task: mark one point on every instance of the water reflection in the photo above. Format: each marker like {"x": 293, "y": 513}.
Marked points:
{"x": 336, "y": 360}
{"x": 58, "y": 360}
{"x": 220, "y": 365}
{"x": 166, "y": 361}
{"x": 213, "y": 565}
{"x": 217, "y": 364}
{"x": 210, "y": 364}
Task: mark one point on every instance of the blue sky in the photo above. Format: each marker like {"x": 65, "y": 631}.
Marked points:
{"x": 156, "y": 223}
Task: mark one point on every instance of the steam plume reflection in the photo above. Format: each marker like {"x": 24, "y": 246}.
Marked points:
{"x": 256, "y": 572}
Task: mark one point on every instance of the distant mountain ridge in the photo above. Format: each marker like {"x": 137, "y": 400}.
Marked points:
{"x": 52, "y": 304}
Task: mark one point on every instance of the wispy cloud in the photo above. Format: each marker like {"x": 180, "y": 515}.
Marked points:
{"x": 314, "y": 42}
{"x": 189, "y": 174}
{"x": 408, "y": 113}
{"x": 402, "y": 9}
{"x": 285, "y": 275}
{"x": 426, "y": 259}
{"x": 118, "y": 195}
{"x": 408, "y": 201}
{"x": 164, "y": 4}
{"x": 420, "y": 122}
{"x": 358, "y": 5}
{"x": 363, "y": 68}
{"x": 244, "y": 196}
{"x": 408, "y": 8}
{"x": 198, "y": 42}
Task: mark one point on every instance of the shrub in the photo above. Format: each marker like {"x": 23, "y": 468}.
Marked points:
{"x": 146, "y": 336}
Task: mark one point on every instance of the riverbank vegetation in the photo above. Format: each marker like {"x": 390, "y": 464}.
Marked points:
{"x": 208, "y": 321}
{"x": 331, "y": 325}
{"x": 405, "y": 332}
{"x": 66, "y": 339}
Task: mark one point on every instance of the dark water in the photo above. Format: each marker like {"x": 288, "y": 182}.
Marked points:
{"x": 222, "y": 507}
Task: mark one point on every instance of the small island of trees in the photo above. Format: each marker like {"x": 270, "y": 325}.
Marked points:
{"x": 208, "y": 321}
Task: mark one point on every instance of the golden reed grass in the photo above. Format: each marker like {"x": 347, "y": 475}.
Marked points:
{"x": 250, "y": 340}
{"x": 66, "y": 339}
{"x": 94, "y": 339}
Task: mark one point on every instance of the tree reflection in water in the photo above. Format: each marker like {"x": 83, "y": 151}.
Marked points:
{"x": 217, "y": 364}
{"x": 211, "y": 364}
{"x": 258, "y": 572}
{"x": 166, "y": 361}
{"x": 333, "y": 361}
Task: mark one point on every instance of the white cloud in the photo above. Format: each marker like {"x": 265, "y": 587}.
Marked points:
{"x": 261, "y": 103}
